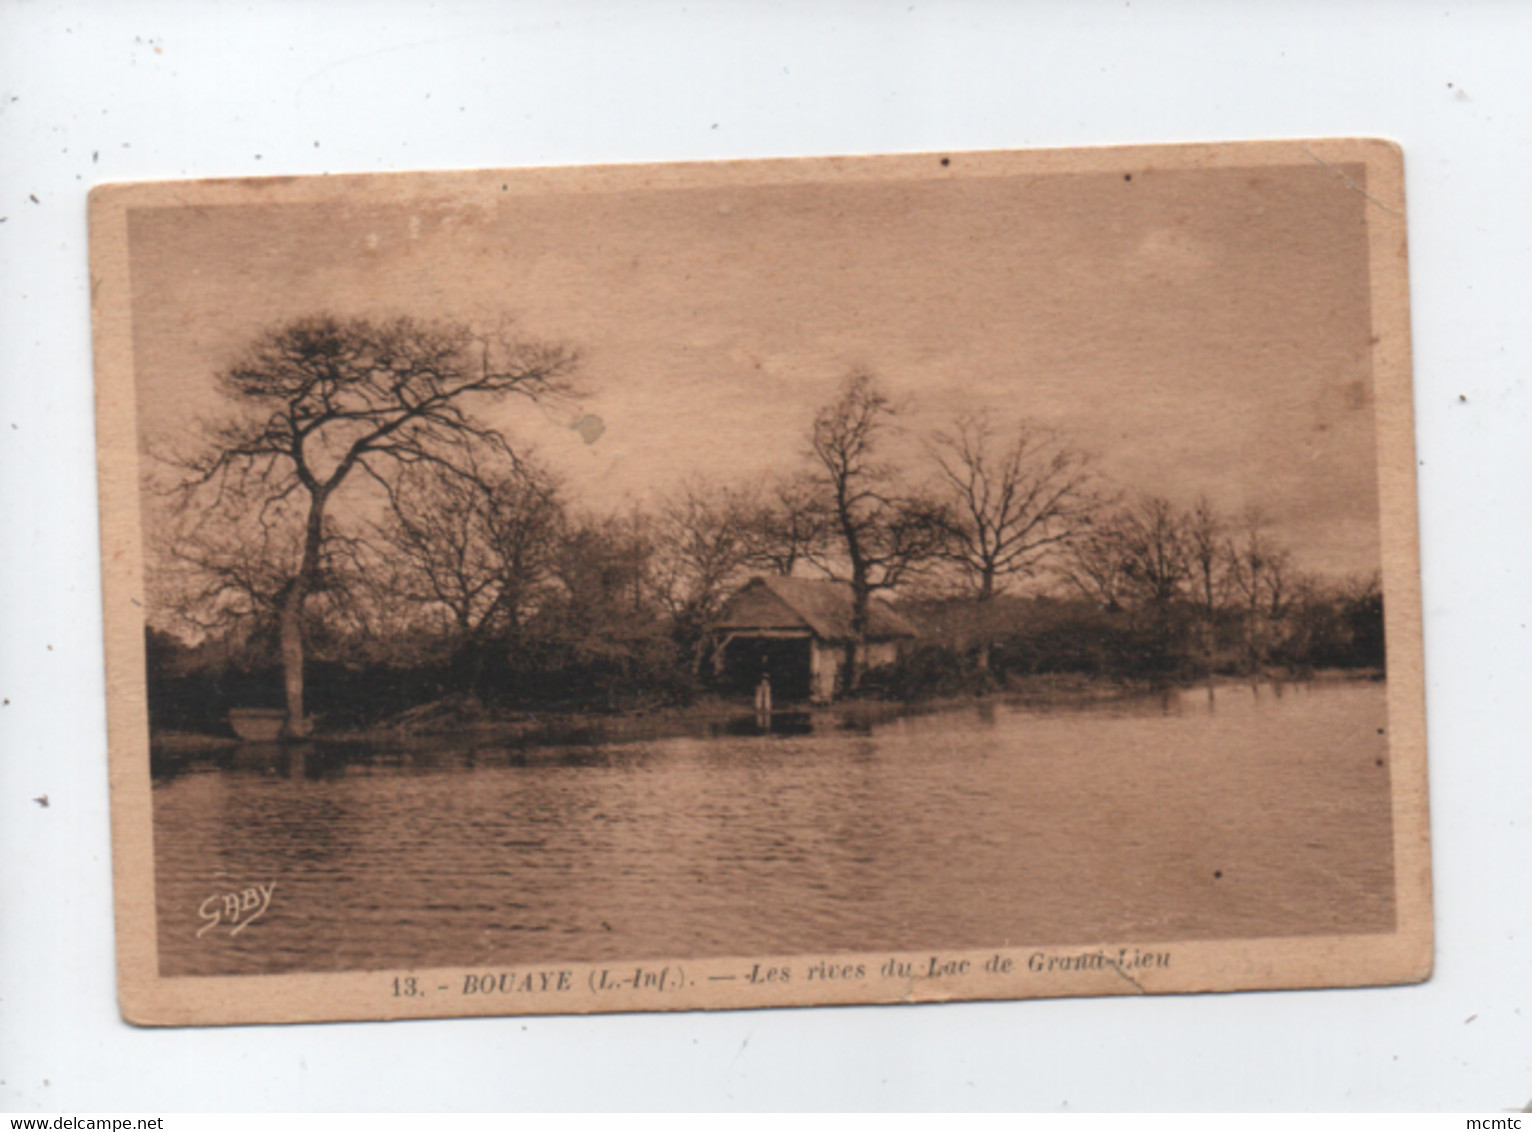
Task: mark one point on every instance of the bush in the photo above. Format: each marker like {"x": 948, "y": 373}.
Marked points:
{"x": 1080, "y": 638}
{"x": 923, "y": 672}
{"x": 574, "y": 675}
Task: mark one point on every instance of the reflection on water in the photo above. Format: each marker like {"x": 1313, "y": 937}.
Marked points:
{"x": 1201, "y": 813}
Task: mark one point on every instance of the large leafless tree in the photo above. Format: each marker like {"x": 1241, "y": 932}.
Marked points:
{"x": 1015, "y": 499}
{"x": 318, "y": 403}
{"x": 1096, "y": 563}
{"x": 1137, "y": 555}
{"x": 882, "y": 534}
{"x": 474, "y": 552}
{"x": 1156, "y": 563}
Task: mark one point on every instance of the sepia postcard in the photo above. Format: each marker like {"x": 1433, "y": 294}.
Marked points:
{"x": 761, "y": 583}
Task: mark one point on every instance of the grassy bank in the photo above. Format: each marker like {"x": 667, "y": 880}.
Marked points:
{"x": 713, "y": 715}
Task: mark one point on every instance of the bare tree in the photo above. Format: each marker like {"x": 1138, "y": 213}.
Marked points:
{"x": 434, "y": 553}
{"x": 1261, "y": 576}
{"x": 225, "y": 571}
{"x": 703, "y": 541}
{"x": 791, "y": 526}
{"x": 525, "y": 525}
{"x": 1137, "y": 555}
{"x": 476, "y": 551}
{"x": 1096, "y": 563}
{"x": 322, "y": 398}
{"x": 1203, "y": 531}
{"x": 883, "y": 535}
{"x": 1014, "y": 500}
{"x": 1156, "y": 563}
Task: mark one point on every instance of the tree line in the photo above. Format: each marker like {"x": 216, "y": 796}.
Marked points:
{"x": 353, "y": 520}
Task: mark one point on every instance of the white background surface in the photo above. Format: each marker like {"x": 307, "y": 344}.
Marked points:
{"x": 92, "y": 92}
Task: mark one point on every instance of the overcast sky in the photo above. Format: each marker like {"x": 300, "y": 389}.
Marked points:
{"x": 1199, "y": 331}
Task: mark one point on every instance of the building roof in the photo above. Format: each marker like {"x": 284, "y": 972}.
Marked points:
{"x": 824, "y": 607}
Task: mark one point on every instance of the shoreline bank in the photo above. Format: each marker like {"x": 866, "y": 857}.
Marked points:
{"x": 447, "y": 721}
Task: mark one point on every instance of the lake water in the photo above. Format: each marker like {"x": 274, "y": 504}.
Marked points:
{"x": 1197, "y": 814}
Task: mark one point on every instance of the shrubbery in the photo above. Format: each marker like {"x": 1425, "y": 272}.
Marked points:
{"x": 188, "y": 691}
{"x": 618, "y": 665}
{"x": 1044, "y": 636}
{"x": 925, "y": 671}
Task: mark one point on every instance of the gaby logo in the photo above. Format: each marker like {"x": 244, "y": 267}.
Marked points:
{"x": 236, "y": 909}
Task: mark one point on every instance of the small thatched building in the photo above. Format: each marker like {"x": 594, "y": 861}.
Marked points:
{"x": 798, "y": 632}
